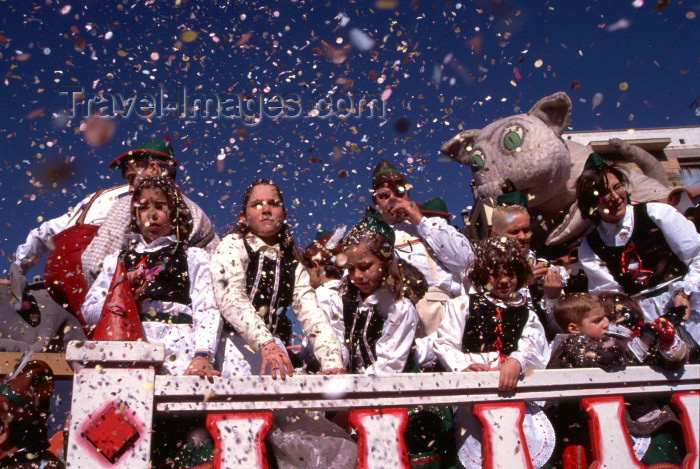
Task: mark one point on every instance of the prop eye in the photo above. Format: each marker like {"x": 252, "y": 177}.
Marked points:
{"x": 477, "y": 161}
{"x": 513, "y": 137}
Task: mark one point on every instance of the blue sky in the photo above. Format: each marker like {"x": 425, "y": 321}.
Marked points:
{"x": 438, "y": 66}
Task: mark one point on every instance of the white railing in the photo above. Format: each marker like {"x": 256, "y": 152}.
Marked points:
{"x": 117, "y": 386}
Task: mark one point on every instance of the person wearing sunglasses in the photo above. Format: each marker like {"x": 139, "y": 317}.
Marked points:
{"x": 431, "y": 244}
{"x": 648, "y": 251}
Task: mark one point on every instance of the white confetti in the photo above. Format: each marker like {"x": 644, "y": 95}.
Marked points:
{"x": 360, "y": 39}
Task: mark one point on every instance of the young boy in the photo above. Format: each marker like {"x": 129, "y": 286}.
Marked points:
{"x": 591, "y": 344}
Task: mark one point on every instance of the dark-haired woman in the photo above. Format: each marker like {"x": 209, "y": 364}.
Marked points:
{"x": 648, "y": 251}
{"x": 258, "y": 275}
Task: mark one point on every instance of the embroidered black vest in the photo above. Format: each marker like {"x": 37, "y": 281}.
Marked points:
{"x": 363, "y": 328}
{"x": 490, "y": 328}
{"x": 649, "y": 243}
{"x": 173, "y": 282}
{"x": 270, "y": 287}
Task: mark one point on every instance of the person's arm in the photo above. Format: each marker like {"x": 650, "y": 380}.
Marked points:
{"x": 533, "y": 350}
{"x": 39, "y": 239}
{"x": 452, "y": 248}
{"x": 228, "y": 270}
{"x": 315, "y": 323}
{"x": 95, "y": 299}
{"x": 395, "y": 344}
{"x": 206, "y": 318}
{"x": 684, "y": 241}
{"x": 448, "y": 342}
{"x": 599, "y": 277}
{"x": 332, "y": 304}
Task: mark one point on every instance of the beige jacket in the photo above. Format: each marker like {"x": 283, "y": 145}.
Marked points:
{"x": 228, "y": 269}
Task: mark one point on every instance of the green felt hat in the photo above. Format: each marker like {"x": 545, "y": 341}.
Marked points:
{"x": 512, "y": 198}
{"x": 372, "y": 221}
{"x": 158, "y": 148}
{"x": 435, "y": 206}
{"x": 320, "y": 234}
{"x": 384, "y": 167}
{"x": 593, "y": 160}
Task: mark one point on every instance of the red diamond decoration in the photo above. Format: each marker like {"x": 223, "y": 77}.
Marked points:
{"x": 113, "y": 432}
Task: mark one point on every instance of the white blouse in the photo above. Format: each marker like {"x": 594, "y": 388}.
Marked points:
{"x": 451, "y": 252}
{"x": 228, "y": 268}
{"x": 181, "y": 340}
{"x": 532, "y": 352}
{"x": 399, "y": 330}
{"x": 682, "y": 238}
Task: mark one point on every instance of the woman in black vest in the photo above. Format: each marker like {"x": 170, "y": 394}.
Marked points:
{"x": 258, "y": 276}
{"x": 648, "y": 251}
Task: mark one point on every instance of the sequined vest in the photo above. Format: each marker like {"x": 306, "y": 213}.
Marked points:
{"x": 363, "y": 328}
{"x": 490, "y": 328}
{"x": 649, "y": 243}
{"x": 172, "y": 283}
{"x": 270, "y": 287}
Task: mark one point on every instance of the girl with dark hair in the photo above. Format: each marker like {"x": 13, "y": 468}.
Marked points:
{"x": 497, "y": 329}
{"x": 648, "y": 251}
{"x": 259, "y": 274}
{"x": 376, "y": 299}
{"x": 493, "y": 329}
{"x": 170, "y": 281}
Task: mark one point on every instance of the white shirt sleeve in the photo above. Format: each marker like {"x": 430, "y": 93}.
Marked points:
{"x": 95, "y": 299}
{"x": 683, "y": 240}
{"x": 206, "y": 319}
{"x": 533, "y": 350}
{"x": 451, "y": 248}
{"x": 228, "y": 271}
{"x": 448, "y": 343}
{"x": 331, "y": 303}
{"x": 314, "y": 322}
{"x": 40, "y": 239}
{"x": 395, "y": 344}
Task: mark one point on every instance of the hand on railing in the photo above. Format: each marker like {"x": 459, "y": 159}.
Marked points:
{"x": 509, "y": 374}
{"x": 276, "y": 361}
{"x": 334, "y": 371}
{"x": 477, "y": 367}
{"x": 200, "y": 366}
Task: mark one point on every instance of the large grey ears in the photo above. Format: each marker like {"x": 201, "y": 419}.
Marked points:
{"x": 456, "y": 147}
{"x": 553, "y": 110}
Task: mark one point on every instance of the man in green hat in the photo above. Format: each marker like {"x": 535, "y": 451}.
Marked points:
{"x": 436, "y": 207}
{"x": 430, "y": 244}
{"x": 65, "y": 238}
{"x": 510, "y": 219}
{"x": 155, "y": 157}
{"x": 79, "y": 240}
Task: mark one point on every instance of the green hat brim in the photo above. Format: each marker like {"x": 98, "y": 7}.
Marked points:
{"x": 159, "y": 149}
{"x": 512, "y": 198}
